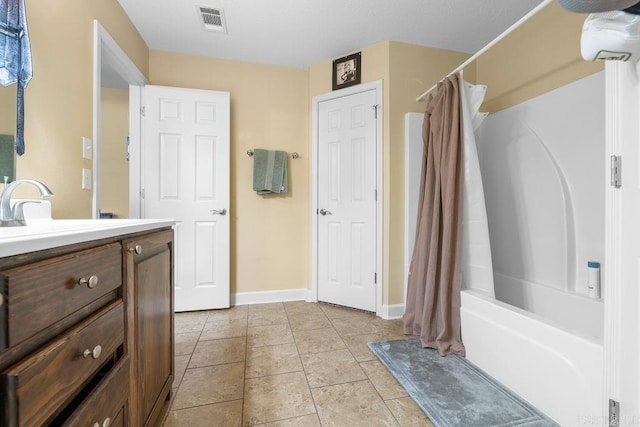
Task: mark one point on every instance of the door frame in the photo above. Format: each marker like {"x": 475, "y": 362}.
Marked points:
{"x": 315, "y": 103}
{"x": 107, "y": 50}
{"x": 618, "y": 334}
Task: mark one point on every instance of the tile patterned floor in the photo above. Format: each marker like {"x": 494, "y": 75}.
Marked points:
{"x": 286, "y": 364}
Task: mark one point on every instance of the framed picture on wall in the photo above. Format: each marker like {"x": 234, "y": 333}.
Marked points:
{"x": 347, "y": 71}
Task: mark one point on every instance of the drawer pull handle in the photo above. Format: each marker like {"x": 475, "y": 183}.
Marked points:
{"x": 137, "y": 249}
{"x": 91, "y": 282}
{"x": 95, "y": 353}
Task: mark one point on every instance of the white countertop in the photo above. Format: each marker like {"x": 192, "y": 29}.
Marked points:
{"x": 40, "y": 234}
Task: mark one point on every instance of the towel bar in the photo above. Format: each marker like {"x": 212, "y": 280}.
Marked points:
{"x": 293, "y": 155}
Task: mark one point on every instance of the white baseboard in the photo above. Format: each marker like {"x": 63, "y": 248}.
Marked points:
{"x": 262, "y": 297}
{"x": 394, "y": 311}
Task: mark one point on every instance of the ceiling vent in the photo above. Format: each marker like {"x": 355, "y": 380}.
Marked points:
{"x": 212, "y": 19}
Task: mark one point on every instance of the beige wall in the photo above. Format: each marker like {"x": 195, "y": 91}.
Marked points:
{"x": 114, "y": 191}
{"x": 541, "y": 55}
{"x": 58, "y": 100}
{"x": 270, "y": 235}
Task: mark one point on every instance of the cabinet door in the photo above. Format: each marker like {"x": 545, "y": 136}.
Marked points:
{"x": 149, "y": 278}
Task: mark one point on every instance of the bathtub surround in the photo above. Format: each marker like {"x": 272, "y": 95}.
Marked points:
{"x": 435, "y": 274}
{"x": 452, "y": 391}
{"x": 544, "y": 184}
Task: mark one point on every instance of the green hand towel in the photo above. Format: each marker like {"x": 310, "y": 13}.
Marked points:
{"x": 269, "y": 171}
{"x": 7, "y": 158}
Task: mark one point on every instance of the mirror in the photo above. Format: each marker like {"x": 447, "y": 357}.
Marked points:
{"x": 8, "y": 132}
{"x": 114, "y": 165}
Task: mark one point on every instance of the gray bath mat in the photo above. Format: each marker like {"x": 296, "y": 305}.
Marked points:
{"x": 452, "y": 391}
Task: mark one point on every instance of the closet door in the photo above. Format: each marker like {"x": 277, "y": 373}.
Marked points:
{"x": 347, "y": 218}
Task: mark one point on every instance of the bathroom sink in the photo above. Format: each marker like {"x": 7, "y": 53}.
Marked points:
{"x": 41, "y": 234}
{"x": 49, "y": 226}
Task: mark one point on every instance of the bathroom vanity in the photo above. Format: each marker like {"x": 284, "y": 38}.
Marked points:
{"x": 86, "y": 323}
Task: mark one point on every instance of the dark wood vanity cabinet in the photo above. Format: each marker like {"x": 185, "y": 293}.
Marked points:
{"x": 86, "y": 333}
{"x": 149, "y": 269}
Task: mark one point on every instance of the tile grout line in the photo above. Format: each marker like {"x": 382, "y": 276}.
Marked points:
{"x": 306, "y": 379}
{"x": 244, "y": 374}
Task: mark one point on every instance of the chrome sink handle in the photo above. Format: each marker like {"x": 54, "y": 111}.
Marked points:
{"x": 7, "y": 216}
{"x": 18, "y": 210}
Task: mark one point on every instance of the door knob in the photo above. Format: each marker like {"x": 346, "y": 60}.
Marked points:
{"x": 325, "y": 212}
{"x": 222, "y": 211}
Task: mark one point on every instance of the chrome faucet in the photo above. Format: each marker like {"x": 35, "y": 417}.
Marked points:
{"x": 15, "y": 217}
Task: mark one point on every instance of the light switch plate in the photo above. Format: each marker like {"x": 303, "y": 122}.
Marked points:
{"x": 87, "y": 148}
{"x": 86, "y": 179}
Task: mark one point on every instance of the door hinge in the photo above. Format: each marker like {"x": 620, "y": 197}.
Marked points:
{"x": 614, "y": 413}
{"x": 375, "y": 195}
{"x": 143, "y": 111}
{"x": 375, "y": 110}
{"x": 616, "y": 171}
{"x": 375, "y": 278}
{"x": 142, "y": 193}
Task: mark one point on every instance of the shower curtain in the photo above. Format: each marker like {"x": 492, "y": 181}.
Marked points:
{"x": 435, "y": 275}
{"x": 452, "y": 248}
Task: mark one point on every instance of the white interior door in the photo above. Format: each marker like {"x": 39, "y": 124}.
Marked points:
{"x": 622, "y": 259}
{"x": 347, "y": 179}
{"x": 185, "y": 158}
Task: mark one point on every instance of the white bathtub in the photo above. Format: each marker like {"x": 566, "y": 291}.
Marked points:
{"x": 558, "y": 371}
{"x": 574, "y": 312}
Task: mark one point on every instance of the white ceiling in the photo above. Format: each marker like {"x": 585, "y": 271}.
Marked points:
{"x": 299, "y": 33}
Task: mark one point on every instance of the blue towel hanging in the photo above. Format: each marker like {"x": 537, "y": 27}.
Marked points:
{"x": 15, "y": 57}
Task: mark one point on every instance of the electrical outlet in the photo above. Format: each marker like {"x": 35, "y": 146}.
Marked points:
{"x": 86, "y": 179}
{"x": 87, "y": 148}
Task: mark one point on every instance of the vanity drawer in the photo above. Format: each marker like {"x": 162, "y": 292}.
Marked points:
{"x": 106, "y": 404}
{"x": 42, "y": 293}
{"x": 39, "y": 386}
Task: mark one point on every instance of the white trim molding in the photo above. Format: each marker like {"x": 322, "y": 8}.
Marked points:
{"x": 612, "y": 261}
{"x": 263, "y": 297}
{"x": 377, "y": 86}
{"x": 106, "y": 51}
{"x": 393, "y": 311}
{"x": 622, "y": 266}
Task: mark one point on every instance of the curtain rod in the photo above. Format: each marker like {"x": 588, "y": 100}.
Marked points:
{"x": 490, "y": 45}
